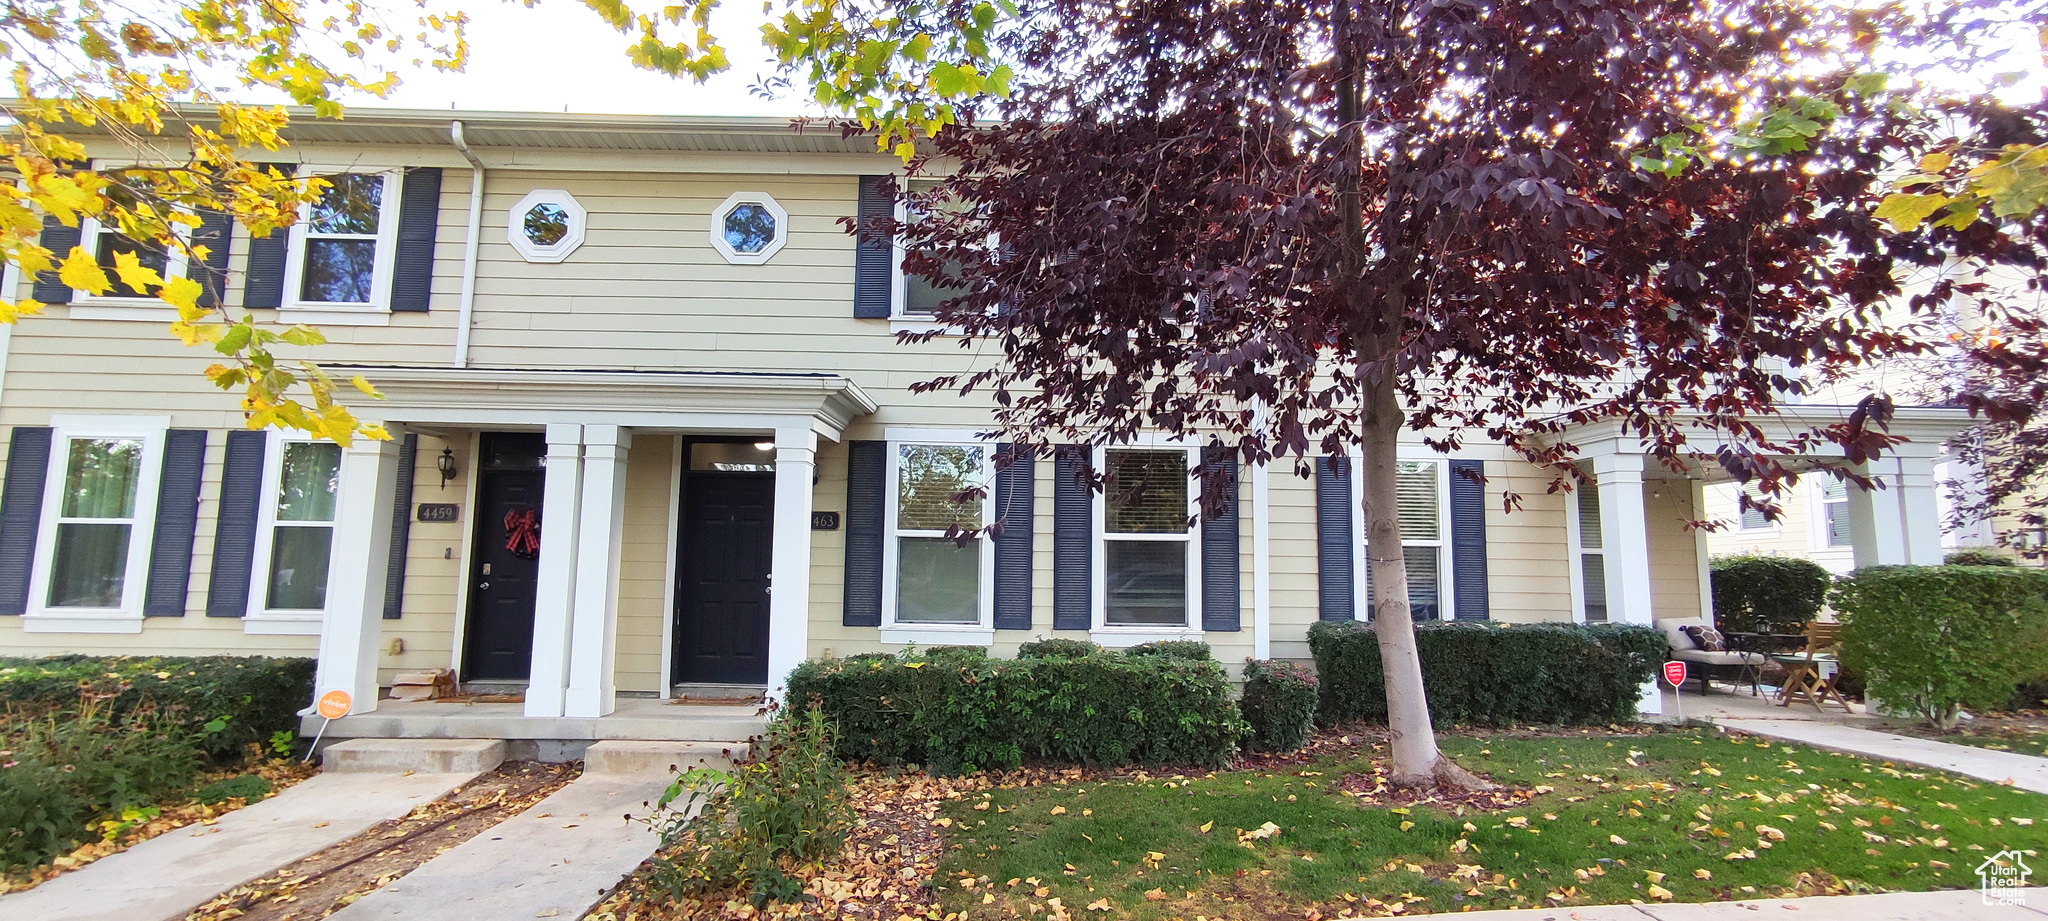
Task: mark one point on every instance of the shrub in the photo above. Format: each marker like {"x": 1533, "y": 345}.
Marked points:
{"x": 229, "y": 702}
{"x": 1493, "y": 674}
{"x": 784, "y": 807}
{"x": 1977, "y": 556}
{"x": 1279, "y": 704}
{"x": 1096, "y": 708}
{"x": 1767, "y": 594}
{"x": 1058, "y": 648}
{"x": 1194, "y": 650}
{"x": 1931, "y": 640}
{"x": 2032, "y": 694}
{"x": 40, "y": 817}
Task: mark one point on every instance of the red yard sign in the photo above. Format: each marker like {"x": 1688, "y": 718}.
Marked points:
{"x": 1674, "y": 672}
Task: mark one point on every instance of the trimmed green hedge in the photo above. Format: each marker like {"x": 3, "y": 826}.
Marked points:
{"x": 1767, "y": 594}
{"x": 1279, "y": 705}
{"x": 1485, "y": 674}
{"x": 1068, "y": 705}
{"x": 257, "y": 695}
{"x": 1931, "y": 640}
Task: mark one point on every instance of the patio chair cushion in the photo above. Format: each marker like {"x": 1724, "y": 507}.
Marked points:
{"x": 1717, "y": 657}
{"x": 1674, "y": 631}
{"x": 1706, "y": 638}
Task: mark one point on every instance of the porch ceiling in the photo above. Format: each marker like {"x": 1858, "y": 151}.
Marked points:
{"x": 679, "y": 400}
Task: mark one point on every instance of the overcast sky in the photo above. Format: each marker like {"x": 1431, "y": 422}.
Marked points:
{"x": 560, "y": 54}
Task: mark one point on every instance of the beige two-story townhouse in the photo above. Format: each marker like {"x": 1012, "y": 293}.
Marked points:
{"x": 653, "y": 428}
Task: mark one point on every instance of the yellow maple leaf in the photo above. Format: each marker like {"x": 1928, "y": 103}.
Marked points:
{"x": 83, "y": 273}
{"x": 182, "y": 293}
{"x": 134, "y": 274}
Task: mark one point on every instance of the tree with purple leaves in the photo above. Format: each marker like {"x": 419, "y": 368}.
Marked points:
{"x": 1296, "y": 228}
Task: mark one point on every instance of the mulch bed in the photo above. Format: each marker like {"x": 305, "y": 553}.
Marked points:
{"x": 325, "y": 882}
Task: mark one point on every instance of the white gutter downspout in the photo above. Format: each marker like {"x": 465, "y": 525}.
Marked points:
{"x": 476, "y": 220}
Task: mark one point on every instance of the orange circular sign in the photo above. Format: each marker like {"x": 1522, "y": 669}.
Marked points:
{"x": 334, "y": 704}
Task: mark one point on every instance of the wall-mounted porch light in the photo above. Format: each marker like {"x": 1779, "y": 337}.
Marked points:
{"x": 446, "y": 464}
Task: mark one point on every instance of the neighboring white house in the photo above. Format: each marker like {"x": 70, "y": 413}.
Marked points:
{"x": 654, "y": 428}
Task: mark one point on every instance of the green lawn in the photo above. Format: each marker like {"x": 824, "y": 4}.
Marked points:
{"x": 1687, "y": 811}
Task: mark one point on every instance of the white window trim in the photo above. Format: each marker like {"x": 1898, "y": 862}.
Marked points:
{"x": 900, "y": 317}
{"x": 1114, "y": 636}
{"x": 127, "y": 616}
{"x": 1446, "y": 589}
{"x": 89, "y": 306}
{"x": 1818, "y": 517}
{"x": 982, "y": 631}
{"x": 515, "y": 226}
{"x": 1574, "y": 535}
{"x": 375, "y": 311}
{"x": 775, "y": 243}
{"x": 1769, "y": 528}
{"x": 261, "y": 620}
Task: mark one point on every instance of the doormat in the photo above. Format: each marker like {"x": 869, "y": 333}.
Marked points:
{"x": 517, "y": 697}
{"x": 686, "y": 700}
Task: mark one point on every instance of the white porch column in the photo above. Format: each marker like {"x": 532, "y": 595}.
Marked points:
{"x": 1625, "y": 542}
{"x": 354, "y": 623}
{"x": 1920, "y": 509}
{"x": 789, "y": 599}
{"x": 593, "y": 627}
{"x": 555, "y": 584}
{"x": 1877, "y": 526}
{"x": 1262, "y": 564}
{"x": 1702, "y": 551}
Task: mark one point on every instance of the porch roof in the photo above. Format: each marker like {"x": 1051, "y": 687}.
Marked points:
{"x": 714, "y": 401}
{"x": 1924, "y": 429}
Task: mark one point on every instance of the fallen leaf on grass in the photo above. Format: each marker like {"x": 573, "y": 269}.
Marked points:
{"x": 1155, "y": 895}
{"x": 1659, "y": 892}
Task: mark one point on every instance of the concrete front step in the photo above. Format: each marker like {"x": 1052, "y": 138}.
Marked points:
{"x": 620, "y": 756}
{"x": 419, "y": 756}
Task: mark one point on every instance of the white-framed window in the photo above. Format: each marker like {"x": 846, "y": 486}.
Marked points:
{"x": 294, "y": 535}
{"x": 1422, "y": 500}
{"x": 1752, "y": 518}
{"x": 937, "y": 589}
{"x": 546, "y": 226}
{"x": 914, "y": 299}
{"x": 98, "y": 522}
{"x": 1589, "y": 557}
{"x": 749, "y": 228}
{"x": 1833, "y": 520}
{"x": 1148, "y": 561}
{"x": 342, "y": 249}
{"x": 104, "y": 241}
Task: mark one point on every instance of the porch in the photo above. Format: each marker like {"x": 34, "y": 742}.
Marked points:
{"x": 556, "y": 738}
{"x": 554, "y": 530}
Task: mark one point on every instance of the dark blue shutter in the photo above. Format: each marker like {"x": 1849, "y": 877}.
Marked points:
{"x": 1073, "y": 541}
{"x": 419, "y": 212}
{"x": 58, "y": 238}
{"x": 1015, "y": 490}
{"x": 263, "y": 282}
{"x": 401, "y": 528}
{"x": 1334, "y": 555}
{"x": 1468, "y": 539}
{"x": 177, "y": 514}
{"x": 216, "y": 232}
{"x": 867, "y": 469}
{"x": 1220, "y": 561}
{"x": 21, "y": 513}
{"x": 874, "y": 256}
{"x": 234, "y": 535}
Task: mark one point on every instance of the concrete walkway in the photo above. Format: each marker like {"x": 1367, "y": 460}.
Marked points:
{"x": 556, "y": 859}
{"x": 169, "y": 875}
{"x": 1862, "y": 734}
{"x": 1954, "y": 905}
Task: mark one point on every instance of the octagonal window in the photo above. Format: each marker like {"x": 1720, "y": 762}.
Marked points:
{"x": 546, "y": 226}
{"x": 749, "y": 227}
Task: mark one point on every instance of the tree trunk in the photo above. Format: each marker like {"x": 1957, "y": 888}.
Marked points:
{"x": 1417, "y": 762}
